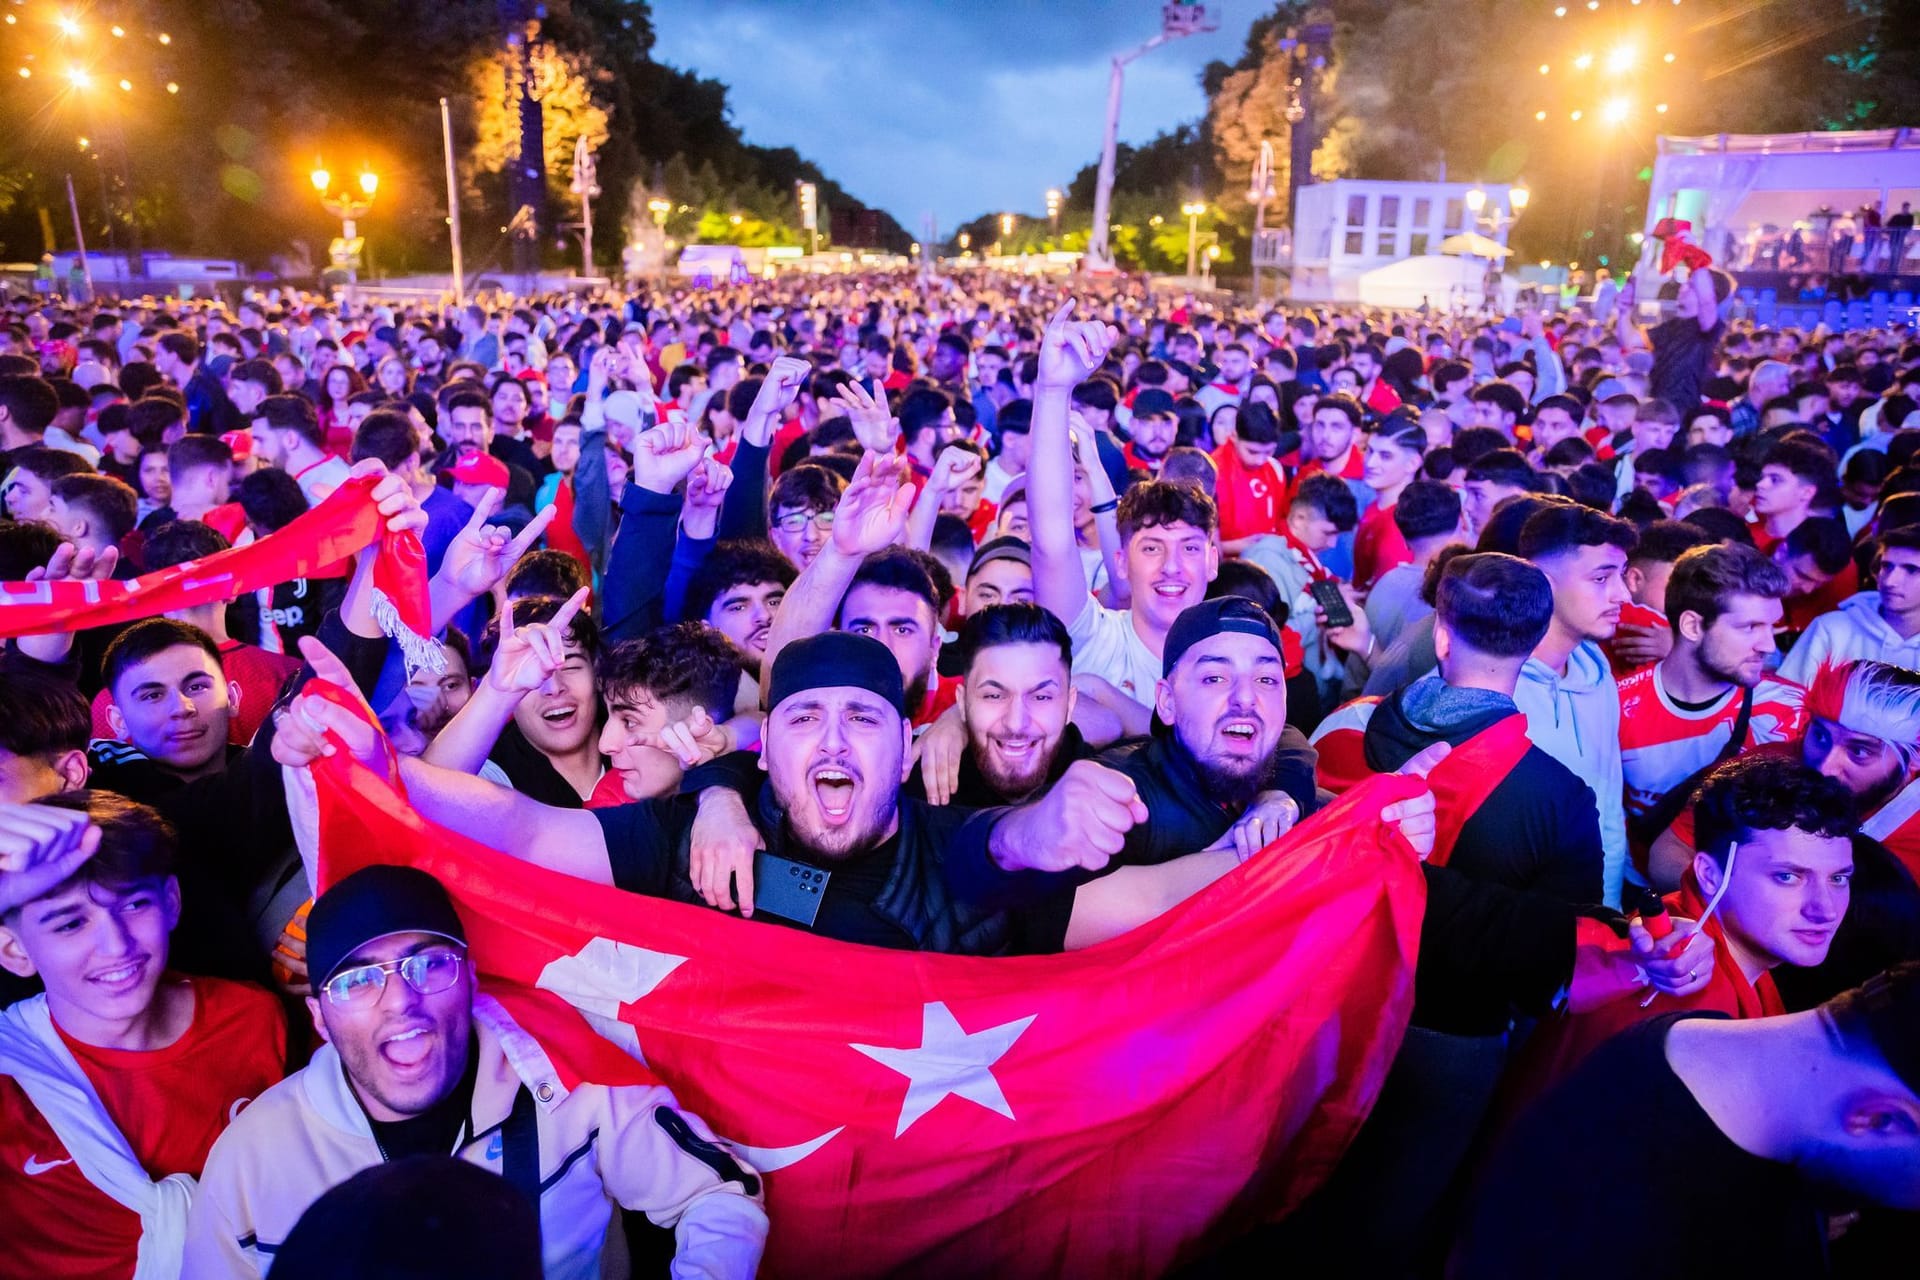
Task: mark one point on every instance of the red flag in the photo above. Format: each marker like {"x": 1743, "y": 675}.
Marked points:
{"x": 1101, "y": 1113}
{"x": 340, "y": 526}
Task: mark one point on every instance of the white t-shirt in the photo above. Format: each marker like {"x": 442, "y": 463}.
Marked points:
{"x": 321, "y": 478}
{"x": 1106, "y": 645}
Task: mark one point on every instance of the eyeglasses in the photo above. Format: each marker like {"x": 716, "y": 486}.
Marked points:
{"x": 428, "y": 972}
{"x": 795, "y": 521}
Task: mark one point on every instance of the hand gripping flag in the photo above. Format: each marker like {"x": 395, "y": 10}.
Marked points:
{"x": 347, "y": 521}
{"x": 1106, "y": 1113}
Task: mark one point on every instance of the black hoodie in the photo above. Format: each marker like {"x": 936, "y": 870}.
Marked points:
{"x": 1538, "y": 832}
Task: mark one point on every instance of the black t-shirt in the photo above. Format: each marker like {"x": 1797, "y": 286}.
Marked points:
{"x": 1617, "y": 1171}
{"x": 434, "y": 1131}
{"x": 643, "y": 840}
{"x": 1681, "y": 356}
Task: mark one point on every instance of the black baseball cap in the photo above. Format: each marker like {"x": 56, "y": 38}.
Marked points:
{"x": 1210, "y": 618}
{"x": 1152, "y": 402}
{"x": 377, "y": 902}
{"x": 836, "y": 660}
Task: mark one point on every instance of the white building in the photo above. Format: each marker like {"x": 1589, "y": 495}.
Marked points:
{"x": 1344, "y": 229}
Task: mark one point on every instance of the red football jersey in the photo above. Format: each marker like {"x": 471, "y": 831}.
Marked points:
{"x": 169, "y": 1103}
{"x": 1662, "y": 745}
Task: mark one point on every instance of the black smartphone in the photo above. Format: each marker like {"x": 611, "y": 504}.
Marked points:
{"x": 1326, "y": 594}
{"x": 791, "y": 890}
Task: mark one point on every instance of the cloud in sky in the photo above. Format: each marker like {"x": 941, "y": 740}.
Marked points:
{"x": 933, "y": 106}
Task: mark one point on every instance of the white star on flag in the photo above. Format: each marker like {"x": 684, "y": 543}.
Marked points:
{"x": 949, "y": 1061}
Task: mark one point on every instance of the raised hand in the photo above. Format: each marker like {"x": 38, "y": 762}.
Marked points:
{"x": 40, "y": 847}
{"x": 952, "y": 469}
{"x": 872, "y": 513}
{"x": 393, "y": 496}
{"x": 779, "y": 388}
{"x": 1071, "y": 350}
{"x": 71, "y": 563}
{"x": 302, "y": 729}
{"x": 697, "y": 739}
{"x": 664, "y": 455}
{"x": 528, "y": 656}
{"x": 480, "y": 556}
{"x": 873, "y": 422}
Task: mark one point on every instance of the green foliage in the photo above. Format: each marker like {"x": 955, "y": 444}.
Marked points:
{"x": 267, "y": 87}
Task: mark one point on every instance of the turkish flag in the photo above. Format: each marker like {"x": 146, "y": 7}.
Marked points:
{"x": 1109, "y": 1112}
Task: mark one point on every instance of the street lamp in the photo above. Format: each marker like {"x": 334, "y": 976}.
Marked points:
{"x": 1193, "y": 209}
{"x": 1476, "y": 200}
{"x": 1054, "y": 200}
{"x": 1006, "y": 224}
{"x": 349, "y": 206}
{"x": 965, "y": 241}
{"x": 659, "y": 209}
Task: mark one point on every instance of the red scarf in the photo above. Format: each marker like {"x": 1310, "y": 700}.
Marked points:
{"x": 340, "y": 526}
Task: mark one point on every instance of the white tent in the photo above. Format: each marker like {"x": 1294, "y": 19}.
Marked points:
{"x": 1745, "y": 193}
{"x": 1443, "y": 283}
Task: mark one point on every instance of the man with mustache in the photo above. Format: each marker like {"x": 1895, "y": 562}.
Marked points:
{"x": 1010, "y": 733}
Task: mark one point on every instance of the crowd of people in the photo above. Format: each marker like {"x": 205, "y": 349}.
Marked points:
{"x": 1019, "y": 614}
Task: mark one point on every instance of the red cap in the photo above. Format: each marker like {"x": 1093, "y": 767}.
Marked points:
{"x": 241, "y": 442}
{"x": 531, "y": 375}
{"x": 480, "y": 468}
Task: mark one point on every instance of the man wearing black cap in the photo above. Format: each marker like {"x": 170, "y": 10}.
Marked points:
{"x": 416, "y": 1063}
{"x": 1711, "y": 1147}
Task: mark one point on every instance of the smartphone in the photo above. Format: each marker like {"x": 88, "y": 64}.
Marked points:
{"x": 791, "y": 890}
{"x": 1326, "y": 594}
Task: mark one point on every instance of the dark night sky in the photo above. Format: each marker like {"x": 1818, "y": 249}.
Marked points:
{"x": 949, "y": 107}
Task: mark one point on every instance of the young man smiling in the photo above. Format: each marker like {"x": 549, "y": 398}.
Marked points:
{"x": 1166, "y": 530}
{"x": 120, "y": 1073}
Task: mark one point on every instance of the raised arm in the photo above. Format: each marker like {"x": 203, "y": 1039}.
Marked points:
{"x": 634, "y": 588}
{"x": 1068, "y": 353}
{"x": 743, "y": 514}
{"x": 1707, "y": 303}
{"x": 871, "y": 515}
{"x": 1625, "y": 331}
{"x": 527, "y": 658}
{"x": 953, "y": 468}
{"x": 478, "y": 559}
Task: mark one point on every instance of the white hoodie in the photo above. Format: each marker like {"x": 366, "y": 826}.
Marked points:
{"x": 1854, "y": 630}
{"x": 1575, "y": 718}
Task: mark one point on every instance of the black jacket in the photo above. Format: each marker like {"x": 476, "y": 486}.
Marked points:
{"x": 975, "y": 792}
{"x": 648, "y": 846}
{"x": 1183, "y": 816}
{"x": 1537, "y": 833}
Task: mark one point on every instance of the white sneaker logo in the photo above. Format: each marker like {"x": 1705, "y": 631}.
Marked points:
{"x": 35, "y": 1166}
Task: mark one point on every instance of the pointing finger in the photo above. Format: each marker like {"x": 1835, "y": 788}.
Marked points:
{"x": 530, "y": 534}
{"x": 568, "y": 611}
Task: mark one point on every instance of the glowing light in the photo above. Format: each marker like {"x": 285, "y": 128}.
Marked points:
{"x": 1545, "y": 263}
{"x": 1518, "y": 197}
{"x": 1667, "y": 58}
{"x": 1637, "y": 237}
{"x": 321, "y": 180}
{"x": 118, "y": 31}
{"x": 1577, "y": 115}
{"x": 1544, "y": 68}
{"x": 1539, "y": 115}
{"x": 735, "y": 219}
{"x": 1616, "y": 110}
{"x": 1584, "y": 61}
{"x": 1476, "y": 199}
{"x": 11, "y": 20}
{"x": 26, "y": 73}
{"x": 165, "y": 38}
{"x": 78, "y": 78}
{"x": 68, "y": 27}
{"x": 1006, "y": 224}
{"x": 369, "y": 181}
{"x": 84, "y": 144}
{"x": 1622, "y": 58}
{"x": 126, "y": 86}
{"x": 1560, "y": 12}
{"x": 172, "y": 87}
{"x": 1593, "y": 4}
{"x": 1662, "y": 108}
